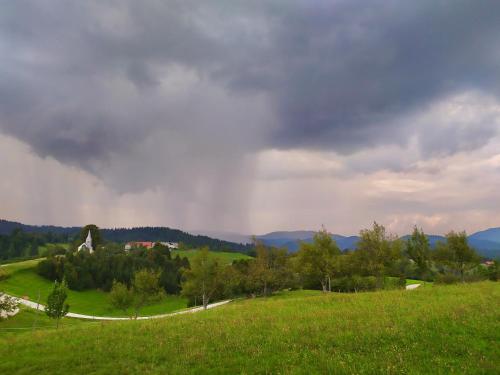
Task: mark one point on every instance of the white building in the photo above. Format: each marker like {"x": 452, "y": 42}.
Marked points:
{"x": 171, "y": 245}
{"x": 87, "y": 244}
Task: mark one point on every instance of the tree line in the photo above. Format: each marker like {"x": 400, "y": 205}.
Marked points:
{"x": 82, "y": 270}
{"x": 20, "y": 244}
{"x": 380, "y": 261}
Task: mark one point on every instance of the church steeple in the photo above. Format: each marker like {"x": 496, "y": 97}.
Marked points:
{"x": 87, "y": 244}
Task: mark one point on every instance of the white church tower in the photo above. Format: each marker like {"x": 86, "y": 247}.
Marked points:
{"x": 87, "y": 244}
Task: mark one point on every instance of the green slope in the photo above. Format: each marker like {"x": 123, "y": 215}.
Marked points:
{"x": 25, "y": 282}
{"x": 443, "y": 329}
{"x": 224, "y": 256}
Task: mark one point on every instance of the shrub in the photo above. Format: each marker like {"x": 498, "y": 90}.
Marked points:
{"x": 394, "y": 283}
{"x": 354, "y": 283}
{"x": 447, "y": 278}
{"x": 3, "y": 274}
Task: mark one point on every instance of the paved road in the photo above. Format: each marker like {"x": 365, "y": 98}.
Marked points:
{"x": 36, "y": 306}
{"x": 412, "y": 286}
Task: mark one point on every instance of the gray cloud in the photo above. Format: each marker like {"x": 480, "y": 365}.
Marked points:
{"x": 178, "y": 95}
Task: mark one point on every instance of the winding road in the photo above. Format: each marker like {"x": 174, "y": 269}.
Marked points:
{"x": 41, "y": 307}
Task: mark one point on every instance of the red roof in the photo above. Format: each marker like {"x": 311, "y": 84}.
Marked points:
{"x": 146, "y": 244}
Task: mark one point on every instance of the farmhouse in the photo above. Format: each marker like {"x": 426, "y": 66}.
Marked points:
{"x": 150, "y": 245}
{"x": 171, "y": 245}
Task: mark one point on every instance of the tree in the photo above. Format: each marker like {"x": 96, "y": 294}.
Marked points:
{"x": 7, "y": 304}
{"x": 146, "y": 288}
{"x": 377, "y": 252}
{"x": 418, "y": 250}
{"x": 269, "y": 271}
{"x": 205, "y": 278}
{"x": 120, "y": 296}
{"x": 317, "y": 261}
{"x": 56, "y": 307}
{"x": 457, "y": 254}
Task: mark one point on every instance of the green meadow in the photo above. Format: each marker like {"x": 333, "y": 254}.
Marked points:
{"x": 25, "y": 282}
{"x": 30, "y": 320}
{"x": 226, "y": 257}
{"x": 435, "y": 330}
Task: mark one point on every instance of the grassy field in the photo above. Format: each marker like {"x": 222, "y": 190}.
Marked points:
{"x": 223, "y": 256}
{"x": 29, "y": 320}
{"x": 438, "y": 330}
{"x": 25, "y": 282}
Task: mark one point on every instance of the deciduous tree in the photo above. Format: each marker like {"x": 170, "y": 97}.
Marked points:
{"x": 204, "y": 278}
{"x": 56, "y": 302}
{"x": 317, "y": 261}
{"x": 269, "y": 271}
{"x": 120, "y": 296}
{"x": 457, "y": 254}
{"x": 377, "y": 252}
{"x": 146, "y": 288}
{"x": 418, "y": 249}
{"x": 7, "y": 304}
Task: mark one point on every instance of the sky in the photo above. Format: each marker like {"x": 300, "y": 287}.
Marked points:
{"x": 250, "y": 117}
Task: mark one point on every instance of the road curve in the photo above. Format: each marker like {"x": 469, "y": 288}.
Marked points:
{"x": 41, "y": 307}
{"x": 412, "y": 286}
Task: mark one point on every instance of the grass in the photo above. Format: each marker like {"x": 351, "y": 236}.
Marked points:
{"x": 438, "y": 330}
{"x": 25, "y": 282}
{"x": 226, "y": 257}
{"x": 29, "y": 320}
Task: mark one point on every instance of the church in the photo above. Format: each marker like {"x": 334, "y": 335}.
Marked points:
{"x": 87, "y": 244}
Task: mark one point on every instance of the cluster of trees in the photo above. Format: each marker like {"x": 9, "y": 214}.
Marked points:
{"x": 99, "y": 270}
{"x": 210, "y": 279}
{"x": 145, "y": 288}
{"x": 381, "y": 260}
{"x": 20, "y": 244}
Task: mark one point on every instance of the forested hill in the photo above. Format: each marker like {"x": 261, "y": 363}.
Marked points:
{"x": 132, "y": 234}
{"x": 6, "y": 227}
{"x": 174, "y": 235}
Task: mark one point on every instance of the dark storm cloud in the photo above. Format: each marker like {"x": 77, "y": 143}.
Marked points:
{"x": 84, "y": 82}
{"x": 351, "y": 69}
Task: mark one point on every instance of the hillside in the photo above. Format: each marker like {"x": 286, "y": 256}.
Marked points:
{"x": 25, "y": 282}
{"x": 134, "y": 234}
{"x": 448, "y": 329}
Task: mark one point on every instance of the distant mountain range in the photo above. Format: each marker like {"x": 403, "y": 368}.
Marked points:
{"x": 134, "y": 234}
{"x": 487, "y": 242}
